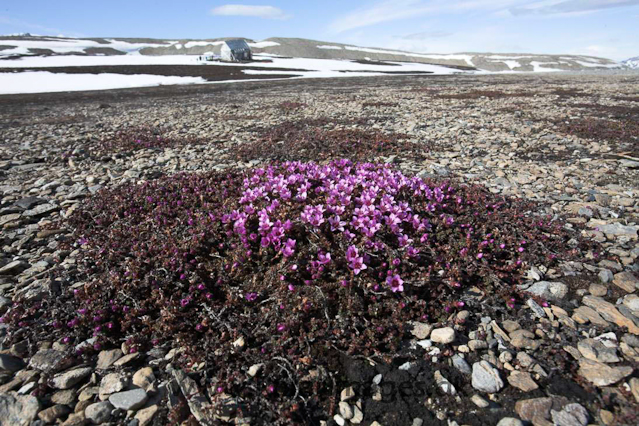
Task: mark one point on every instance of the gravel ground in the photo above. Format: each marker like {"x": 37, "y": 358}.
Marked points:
{"x": 566, "y": 141}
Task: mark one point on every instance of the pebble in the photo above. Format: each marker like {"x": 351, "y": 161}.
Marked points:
{"x": 479, "y": 401}
{"x": 10, "y": 363}
{"x": 145, "y": 415}
{"x": 345, "y": 410}
{"x": 112, "y": 383}
{"x": 421, "y": 330}
{"x": 144, "y": 378}
{"x": 510, "y": 421}
{"x": 443, "y": 335}
{"x": 605, "y": 276}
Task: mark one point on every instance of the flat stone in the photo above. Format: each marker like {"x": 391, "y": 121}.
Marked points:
{"x": 98, "y": 413}
{"x": 129, "y": 400}
{"x": 571, "y": 415}
{"x": 634, "y": 387}
{"x": 50, "y": 361}
{"x": 347, "y": 393}
{"x": 443, "y": 335}
{"x": 107, "y": 358}
{"x": 618, "y": 230}
{"x": 18, "y": 410}
{"x": 145, "y": 415}
{"x": 510, "y": 326}
{"x": 14, "y": 267}
{"x": 421, "y": 330}
{"x": 601, "y": 374}
{"x": 597, "y": 351}
{"x": 126, "y": 359}
{"x": 485, "y": 377}
{"x": 584, "y": 314}
{"x": 41, "y": 210}
{"x": 598, "y": 290}
{"x": 70, "y": 378}
{"x": 522, "y": 380}
{"x": 10, "y": 363}
{"x": 610, "y": 313}
{"x": 548, "y": 290}
{"x": 75, "y": 419}
{"x": 28, "y": 202}
{"x": 50, "y": 414}
{"x": 626, "y": 281}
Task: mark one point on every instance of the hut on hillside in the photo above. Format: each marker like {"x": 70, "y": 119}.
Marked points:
{"x": 236, "y": 51}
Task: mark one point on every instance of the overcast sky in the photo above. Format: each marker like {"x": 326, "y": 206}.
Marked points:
{"x": 608, "y": 28}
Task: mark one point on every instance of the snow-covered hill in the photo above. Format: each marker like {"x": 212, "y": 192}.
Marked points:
{"x": 25, "y": 45}
{"x": 631, "y": 63}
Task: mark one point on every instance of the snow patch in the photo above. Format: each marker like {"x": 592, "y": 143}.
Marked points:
{"x": 538, "y": 66}
{"x": 190, "y": 44}
{"x": 45, "y": 81}
{"x": 327, "y": 47}
{"x": 263, "y": 44}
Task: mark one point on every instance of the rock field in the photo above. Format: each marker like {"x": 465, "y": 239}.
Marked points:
{"x": 569, "y": 355}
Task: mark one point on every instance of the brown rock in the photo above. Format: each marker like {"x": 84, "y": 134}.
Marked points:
{"x": 626, "y": 281}
{"x": 145, "y": 415}
{"x": 608, "y": 311}
{"x": 50, "y": 414}
{"x": 601, "y": 374}
{"x": 522, "y": 380}
{"x": 527, "y": 408}
{"x": 584, "y": 314}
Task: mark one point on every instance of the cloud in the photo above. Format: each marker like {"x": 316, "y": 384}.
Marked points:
{"x": 554, "y": 7}
{"x": 381, "y": 12}
{"x": 393, "y": 10}
{"x": 265, "y": 12}
{"x": 426, "y": 35}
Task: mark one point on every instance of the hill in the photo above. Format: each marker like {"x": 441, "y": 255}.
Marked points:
{"x": 12, "y": 46}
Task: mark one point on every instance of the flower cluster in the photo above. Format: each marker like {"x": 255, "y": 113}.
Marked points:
{"x": 295, "y": 257}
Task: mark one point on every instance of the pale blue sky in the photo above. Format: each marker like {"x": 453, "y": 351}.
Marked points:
{"x": 608, "y": 28}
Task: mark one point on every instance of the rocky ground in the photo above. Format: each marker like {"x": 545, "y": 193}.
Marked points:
{"x": 567, "y": 355}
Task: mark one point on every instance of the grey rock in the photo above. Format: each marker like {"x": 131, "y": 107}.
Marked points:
{"x": 537, "y": 310}
{"x": 70, "y": 378}
{"x": 571, "y": 415}
{"x": 18, "y": 410}
{"x": 50, "y": 361}
{"x": 548, "y": 290}
{"x": 626, "y": 281}
{"x": 605, "y": 276}
{"x": 597, "y": 351}
{"x": 619, "y": 230}
{"x": 41, "y": 210}
{"x": 421, "y": 330}
{"x": 485, "y": 377}
{"x": 14, "y": 267}
{"x": 601, "y": 374}
{"x": 479, "y": 401}
{"x": 10, "y": 363}
{"x": 98, "y": 413}
{"x": 112, "y": 383}
{"x": 129, "y": 400}
{"x": 28, "y": 202}
{"x": 460, "y": 364}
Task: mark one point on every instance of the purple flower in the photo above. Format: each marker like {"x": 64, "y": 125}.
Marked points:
{"x": 289, "y": 248}
{"x": 251, "y": 297}
{"x": 395, "y": 282}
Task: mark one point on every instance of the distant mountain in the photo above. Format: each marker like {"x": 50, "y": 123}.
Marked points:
{"x": 631, "y": 63}
{"x": 27, "y": 45}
